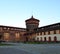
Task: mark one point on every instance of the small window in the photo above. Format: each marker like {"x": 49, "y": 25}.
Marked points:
{"x": 54, "y": 31}
{"x": 48, "y": 32}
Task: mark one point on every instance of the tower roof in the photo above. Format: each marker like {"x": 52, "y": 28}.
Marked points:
{"x": 32, "y": 18}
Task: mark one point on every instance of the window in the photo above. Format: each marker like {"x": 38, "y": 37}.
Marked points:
{"x": 54, "y": 31}
{"x": 44, "y": 38}
{"x": 41, "y": 33}
{"x": 37, "y": 39}
{"x": 48, "y": 32}
{"x": 55, "y": 38}
{"x": 49, "y": 39}
{"x": 40, "y": 38}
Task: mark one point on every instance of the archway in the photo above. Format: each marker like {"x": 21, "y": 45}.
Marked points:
{"x": 41, "y": 38}
{"x": 44, "y": 38}
{"x": 49, "y": 39}
{"x": 55, "y": 38}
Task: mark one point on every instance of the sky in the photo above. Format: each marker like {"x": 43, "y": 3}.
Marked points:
{"x": 15, "y": 12}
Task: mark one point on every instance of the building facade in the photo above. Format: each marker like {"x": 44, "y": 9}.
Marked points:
{"x": 11, "y": 34}
{"x": 32, "y": 32}
{"x": 49, "y": 33}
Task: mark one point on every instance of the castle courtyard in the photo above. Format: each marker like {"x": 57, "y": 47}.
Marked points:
{"x": 20, "y": 48}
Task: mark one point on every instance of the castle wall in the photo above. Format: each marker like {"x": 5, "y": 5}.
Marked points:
{"x": 38, "y": 38}
{"x": 11, "y": 34}
{"x": 48, "y": 36}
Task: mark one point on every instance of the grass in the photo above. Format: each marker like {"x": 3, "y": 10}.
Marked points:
{"x": 41, "y": 42}
{"x": 3, "y": 44}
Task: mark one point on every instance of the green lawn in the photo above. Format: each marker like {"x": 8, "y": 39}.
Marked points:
{"x": 2, "y": 44}
{"x": 41, "y": 42}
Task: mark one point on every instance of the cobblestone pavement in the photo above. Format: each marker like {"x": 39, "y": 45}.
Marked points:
{"x": 31, "y": 49}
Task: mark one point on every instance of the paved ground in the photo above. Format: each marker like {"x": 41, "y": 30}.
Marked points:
{"x": 12, "y": 50}
{"x": 31, "y": 49}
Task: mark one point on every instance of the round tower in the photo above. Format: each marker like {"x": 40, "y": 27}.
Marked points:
{"x": 32, "y": 24}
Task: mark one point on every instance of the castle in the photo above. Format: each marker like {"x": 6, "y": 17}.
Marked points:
{"x": 32, "y": 32}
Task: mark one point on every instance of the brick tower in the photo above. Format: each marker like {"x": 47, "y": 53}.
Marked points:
{"x": 32, "y": 24}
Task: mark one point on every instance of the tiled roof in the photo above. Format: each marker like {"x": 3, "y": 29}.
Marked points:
{"x": 11, "y": 27}
{"x": 32, "y": 18}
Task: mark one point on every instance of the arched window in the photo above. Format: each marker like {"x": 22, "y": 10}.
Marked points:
{"x": 55, "y": 38}
{"x": 40, "y": 38}
{"x": 37, "y": 39}
{"x": 44, "y": 38}
{"x": 49, "y": 39}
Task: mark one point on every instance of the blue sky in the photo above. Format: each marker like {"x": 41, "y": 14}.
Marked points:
{"x": 15, "y": 12}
